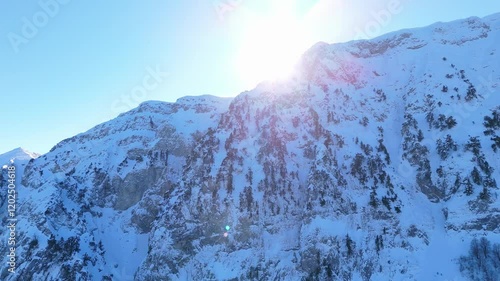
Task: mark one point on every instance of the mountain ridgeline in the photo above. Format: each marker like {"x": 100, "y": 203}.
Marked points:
{"x": 376, "y": 160}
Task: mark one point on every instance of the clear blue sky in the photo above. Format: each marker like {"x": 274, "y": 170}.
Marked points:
{"x": 67, "y": 66}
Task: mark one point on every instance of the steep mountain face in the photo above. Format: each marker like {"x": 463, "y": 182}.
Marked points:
{"x": 86, "y": 207}
{"x": 376, "y": 160}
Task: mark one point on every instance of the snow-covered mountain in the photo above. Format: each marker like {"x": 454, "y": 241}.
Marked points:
{"x": 376, "y": 160}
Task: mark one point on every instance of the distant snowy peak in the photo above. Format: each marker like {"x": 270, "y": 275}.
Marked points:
{"x": 18, "y": 154}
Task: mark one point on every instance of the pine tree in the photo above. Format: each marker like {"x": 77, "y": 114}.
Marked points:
{"x": 381, "y": 148}
{"x": 373, "y": 198}
{"x": 348, "y": 244}
{"x": 474, "y": 145}
{"x": 496, "y": 143}
{"x": 249, "y": 176}
{"x": 476, "y": 176}
{"x": 356, "y": 168}
{"x": 485, "y": 194}
{"x": 379, "y": 243}
{"x": 229, "y": 183}
{"x": 494, "y": 121}
{"x": 484, "y": 165}
{"x": 420, "y": 135}
{"x": 457, "y": 184}
{"x": 429, "y": 117}
{"x": 471, "y": 93}
{"x": 469, "y": 188}
{"x": 386, "y": 203}
{"x": 450, "y": 143}
{"x": 450, "y": 122}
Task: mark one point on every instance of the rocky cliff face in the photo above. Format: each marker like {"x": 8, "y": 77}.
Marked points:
{"x": 376, "y": 160}
{"x": 89, "y": 203}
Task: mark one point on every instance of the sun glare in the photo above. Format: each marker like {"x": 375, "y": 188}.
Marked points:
{"x": 271, "y": 48}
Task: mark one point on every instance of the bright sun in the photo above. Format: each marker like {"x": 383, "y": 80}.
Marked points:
{"x": 271, "y": 48}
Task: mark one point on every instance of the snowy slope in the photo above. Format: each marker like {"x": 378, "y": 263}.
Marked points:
{"x": 376, "y": 160}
